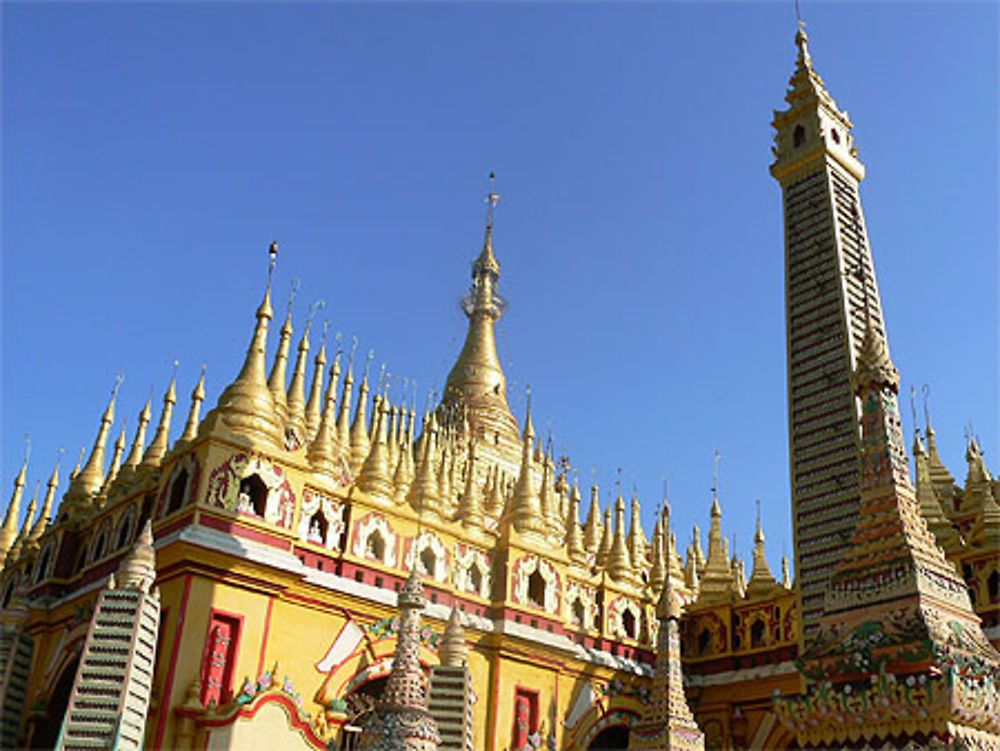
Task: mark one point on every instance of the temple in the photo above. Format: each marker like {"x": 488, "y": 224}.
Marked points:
{"x": 312, "y": 564}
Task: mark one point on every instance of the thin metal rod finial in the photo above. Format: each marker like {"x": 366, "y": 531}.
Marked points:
{"x": 272, "y": 251}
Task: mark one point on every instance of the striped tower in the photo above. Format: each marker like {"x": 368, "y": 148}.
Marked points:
{"x": 826, "y": 257}
{"x": 110, "y": 696}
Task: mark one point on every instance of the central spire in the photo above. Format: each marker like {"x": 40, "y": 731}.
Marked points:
{"x": 477, "y": 382}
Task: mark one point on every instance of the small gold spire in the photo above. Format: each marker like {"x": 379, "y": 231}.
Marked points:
{"x": 786, "y": 576}
{"x": 619, "y": 565}
{"x": 762, "y": 581}
{"x": 246, "y": 406}
{"x": 607, "y": 532}
{"x": 405, "y": 466}
{"x": 116, "y": 460}
{"x": 637, "y": 542}
{"x": 295, "y": 419}
{"x": 344, "y": 412}
{"x": 8, "y": 532}
{"x": 574, "y": 534}
{"x": 88, "y": 483}
{"x": 657, "y": 569}
{"x": 323, "y": 450}
{"x": 193, "y": 418}
{"x": 139, "y": 442}
{"x": 717, "y": 580}
{"x": 423, "y": 491}
{"x": 314, "y": 408}
{"x": 592, "y": 532}
{"x": 526, "y": 509}
{"x": 279, "y": 368}
{"x": 494, "y": 507}
{"x": 22, "y": 536}
{"x": 360, "y": 442}
{"x": 375, "y": 478}
{"x": 547, "y": 497}
{"x": 79, "y": 461}
{"x": 45, "y": 517}
{"x": 158, "y": 447}
{"x": 470, "y": 508}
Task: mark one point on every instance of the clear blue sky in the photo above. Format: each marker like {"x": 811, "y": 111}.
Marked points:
{"x": 151, "y": 152}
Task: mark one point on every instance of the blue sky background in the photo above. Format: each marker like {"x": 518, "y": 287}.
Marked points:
{"x": 151, "y": 152}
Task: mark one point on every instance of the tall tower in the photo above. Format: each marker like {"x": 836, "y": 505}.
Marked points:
{"x": 110, "y": 696}
{"x": 827, "y": 261}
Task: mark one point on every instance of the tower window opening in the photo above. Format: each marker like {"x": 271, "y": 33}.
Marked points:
{"x": 43, "y": 564}
{"x": 704, "y": 641}
{"x": 799, "y": 136}
{"x": 757, "y": 632}
{"x": 536, "y": 590}
{"x": 579, "y": 613}
{"x": 252, "y": 497}
{"x": 993, "y": 586}
{"x": 629, "y": 624}
{"x": 317, "y": 528}
{"x": 428, "y": 562}
{"x": 375, "y": 547}
{"x": 124, "y": 531}
{"x": 475, "y": 579}
{"x": 177, "y": 490}
{"x": 836, "y": 135}
{"x": 100, "y": 546}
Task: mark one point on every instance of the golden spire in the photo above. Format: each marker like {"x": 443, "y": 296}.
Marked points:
{"x": 931, "y": 507}
{"x": 786, "y": 575}
{"x": 344, "y": 412}
{"x": 526, "y": 507}
{"x": 657, "y": 569}
{"x": 619, "y": 565}
{"x": 315, "y": 406}
{"x": 22, "y": 536}
{"x": 604, "y": 549}
{"x": 394, "y": 420}
{"x": 443, "y": 478}
{"x": 8, "y": 532}
{"x": 477, "y": 380}
{"x": 375, "y": 478}
{"x": 494, "y": 508}
{"x": 360, "y": 442}
{"x": 246, "y": 407}
{"x": 470, "y": 508}
{"x": 696, "y": 550}
{"x": 193, "y": 419}
{"x": 423, "y": 491}
{"x": 79, "y": 461}
{"x": 88, "y": 483}
{"x": 574, "y": 534}
{"x": 637, "y": 537}
{"x": 279, "y": 368}
{"x": 592, "y": 532}
{"x": 116, "y": 461}
{"x": 761, "y": 579}
{"x": 322, "y": 451}
{"x": 405, "y": 466}
{"x": 717, "y": 579}
{"x": 547, "y": 499}
{"x": 943, "y": 480}
{"x": 295, "y": 420}
{"x": 139, "y": 442}
{"x": 45, "y": 517}
{"x": 157, "y": 449}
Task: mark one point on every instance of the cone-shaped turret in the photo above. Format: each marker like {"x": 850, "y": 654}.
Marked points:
{"x": 139, "y": 441}
{"x": 161, "y": 441}
{"x": 376, "y": 476}
{"x": 194, "y": 413}
{"x": 22, "y": 536}
{"x": 930, "y": 503}
{"x": 944, "y": 481}
{"x": 978, "y": 482}
{"x": 423, "y": 491}
{"x": 666, "y": 723}
{"x": 401, "y": 721}
{"x": 138, "y": 568}
{"x": 619, "y": 563}
{"x": 607, "y": 532}
{"x": 276, "y": 382}
{"x": 314, "y": 409}
{"x": 360, "y": 442}
{"x": 246, "y": 408}
{"x": 295, "y": 419}
{"x": 476, "y": 383}
{"x": 593, "y": 531}
{"x": 8, "y": 532}
{"x": 79, "y": 462}
{"x": 574, "y": 534}
{"x": 717, "y": 579}
{"x": 525, "y": 505}
{"x": 637, "y": 538}
{"x": 343, "y": 432}
{"x": 453, "y": 650}
{"x": 88, "y": 482}
{"x": 45, "y": 517}
{"x": 470, "y": 508}
{"x": 116, "y": 462}
{"x": 323, "y": 450}
{"x": 761, "y": 581}
{"x": 405, "y": 467}
{"x": 657, "y": 569}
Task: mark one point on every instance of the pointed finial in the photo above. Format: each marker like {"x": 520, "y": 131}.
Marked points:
{"x": 354, "y": 349}
{"x": 926, "y": 389}
{"x": 715, "y": 473}
{"x": 315, "y": 308}
{"x": 272, "y": 251}
{"x": 913, "y": 409}
{"x": 491, "y": 201}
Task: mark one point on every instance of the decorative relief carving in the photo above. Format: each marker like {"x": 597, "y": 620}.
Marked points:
{"x": 471, "y": 571}
{"x": 620, "y": 611}
{"x": 375, "y": 540}
{"x": 523, "y": 569}
{"x": 321, "y": 521}
{"x": 428, "y": 554}
{"x": 228, "y": 488}
{"x": 588, "y": 608}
